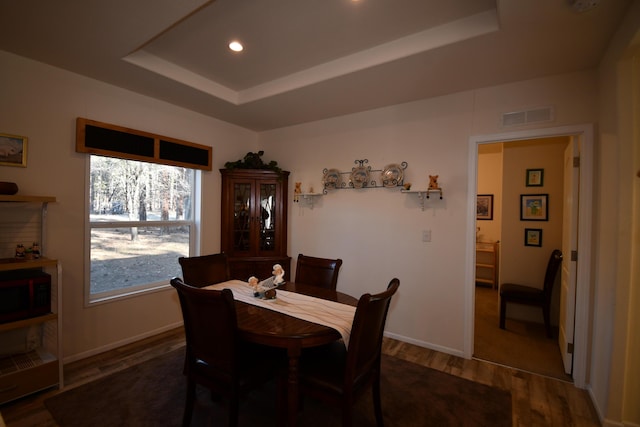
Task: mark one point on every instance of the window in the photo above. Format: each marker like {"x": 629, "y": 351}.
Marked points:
{"x": 141, "y": 220}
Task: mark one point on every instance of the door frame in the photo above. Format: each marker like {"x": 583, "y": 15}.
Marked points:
{"x": 585, "y": 212}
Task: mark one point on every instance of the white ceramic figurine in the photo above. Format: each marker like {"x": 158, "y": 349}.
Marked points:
{"x": 278, "y": 272}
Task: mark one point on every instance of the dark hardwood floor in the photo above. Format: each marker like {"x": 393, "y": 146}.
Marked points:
{"x": 536, "y": 400}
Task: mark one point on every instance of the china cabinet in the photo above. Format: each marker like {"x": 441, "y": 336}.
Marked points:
{"x": 30, "y": 344}
{"x": 254, "y": 221}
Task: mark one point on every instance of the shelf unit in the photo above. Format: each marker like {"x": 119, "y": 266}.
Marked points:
{"x": 487, "y": 271}
{"x": 424, "y": 194}
{"x": 39, "y": 366}
{"x": 308, "y": 197}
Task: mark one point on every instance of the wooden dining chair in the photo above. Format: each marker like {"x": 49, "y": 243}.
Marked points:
{"x": 521, "y": 294}
{"x": 215, "y": 358}
{"x": 205, "y": 270}
{"x": 322, "y": 272}
{"x": 339, "y": 376}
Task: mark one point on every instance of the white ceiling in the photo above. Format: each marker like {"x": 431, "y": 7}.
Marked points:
{"x": 306, "y": 60}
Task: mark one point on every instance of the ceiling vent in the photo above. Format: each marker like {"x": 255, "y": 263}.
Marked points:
{"x": 525, "y": 117}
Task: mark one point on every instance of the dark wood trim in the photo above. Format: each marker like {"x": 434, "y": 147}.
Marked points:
{"x": 105, "y": 139}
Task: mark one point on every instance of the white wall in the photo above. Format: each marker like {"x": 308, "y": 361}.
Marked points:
{"x": 615, "y": 383}
{"x": 490, "y": 182}
{"x": 377, "y": 232}
{"x": 42, "y": 103}
{"x": 527, "y": 264}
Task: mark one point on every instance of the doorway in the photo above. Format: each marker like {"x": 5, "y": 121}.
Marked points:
{"x": 502, "y": 178}
{"x": 583, "y": 134}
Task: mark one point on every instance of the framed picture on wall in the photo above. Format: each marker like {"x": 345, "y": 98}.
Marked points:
{"x": 533, "y": 237}
{"x": 534, "y": 207}
{"x": 13, "y": 150}
{"x": 535, "y": 177}
{"x": 484, "y": 207}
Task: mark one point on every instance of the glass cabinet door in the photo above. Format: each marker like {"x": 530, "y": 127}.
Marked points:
{"x": 268, "y": 219}
{"x": 254, "y": 220}
{"x": 242, "y": 217}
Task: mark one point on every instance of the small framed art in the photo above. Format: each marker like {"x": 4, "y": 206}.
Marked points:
{"x": 484, "y": 207}
{"x": 13, "y": 150}
{"x": 535, "y": 177}
{"x": 533, "y": 237}
{"x": 534, "y": 207}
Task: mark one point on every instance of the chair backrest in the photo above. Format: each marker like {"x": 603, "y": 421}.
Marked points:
{"x": 322, "y": 272}
{"x": 365, "y": 342}
{"x": 555, "y": 260}
{"x": 211, "y": 328}
{"x": 205, "y": 270}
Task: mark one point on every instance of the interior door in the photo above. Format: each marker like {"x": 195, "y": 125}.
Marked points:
{"x": 569, "y": 246}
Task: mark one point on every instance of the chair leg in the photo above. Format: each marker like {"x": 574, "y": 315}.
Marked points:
{"x": 282, "y": 398}
{"x": 188, "y": 407}
{"x": 233, "y": 410}
{"x": 503, "y": 311}
{"x": 547, "y": 321}
{"x": 346, "y": 412}
{"x": 377, "y": 403}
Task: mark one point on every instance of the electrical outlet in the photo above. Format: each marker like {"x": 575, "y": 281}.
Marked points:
{"x": 426, "y": 235}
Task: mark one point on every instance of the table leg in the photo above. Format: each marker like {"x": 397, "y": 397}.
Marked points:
{"x": 292, "y": 386}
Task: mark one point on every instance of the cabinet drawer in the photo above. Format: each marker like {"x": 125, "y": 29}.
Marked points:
{"x": 23, "y": 382}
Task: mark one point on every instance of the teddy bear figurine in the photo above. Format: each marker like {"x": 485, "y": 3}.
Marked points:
{"x": 433, "y": 181}
{"x": 297, "y": 191}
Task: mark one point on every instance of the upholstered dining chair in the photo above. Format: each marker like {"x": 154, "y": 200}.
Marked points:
{"x": 205, "y": 270}
{"x": 520, "y": 294}
{"x": 322, "y": 272}
{"x": 338, "y": 375}
{"x": 215, "y": 358}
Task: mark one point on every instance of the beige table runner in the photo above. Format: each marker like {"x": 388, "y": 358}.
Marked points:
{"x": 323, "y": 312}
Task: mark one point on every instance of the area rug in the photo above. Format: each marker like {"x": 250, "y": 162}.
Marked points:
{"x": 152, "y": 394}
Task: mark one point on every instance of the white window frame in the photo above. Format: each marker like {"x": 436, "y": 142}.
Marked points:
{"x": 136, "y": 290}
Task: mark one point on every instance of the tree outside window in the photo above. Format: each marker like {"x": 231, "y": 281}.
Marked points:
{"x": 141, "y": 220}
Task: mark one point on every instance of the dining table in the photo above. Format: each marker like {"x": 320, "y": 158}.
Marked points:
{"x": 266, "y": 322}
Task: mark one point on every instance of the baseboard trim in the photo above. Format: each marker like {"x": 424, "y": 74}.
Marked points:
{"x": 425, "y": 344}
{"x": 120, "y": 343}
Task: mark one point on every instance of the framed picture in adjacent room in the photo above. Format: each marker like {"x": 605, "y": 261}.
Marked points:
{"x": 484, "y": 207}
{"x": 535, "y": 177}
{"x": 534, "y": 207}
{"x": 533, "y": 237}
{"x": 13, "y": 150}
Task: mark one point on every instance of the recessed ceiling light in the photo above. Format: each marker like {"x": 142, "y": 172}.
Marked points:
{"x": 236, "y": 46}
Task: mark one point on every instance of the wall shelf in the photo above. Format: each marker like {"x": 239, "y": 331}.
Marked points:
{"x": 309, "y": 197}
{"x": 364, "y": 177}
{"x": 424, "y": 194}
